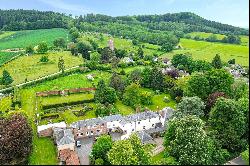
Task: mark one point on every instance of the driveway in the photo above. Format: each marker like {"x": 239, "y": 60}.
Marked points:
{"x": 84, "y": 151}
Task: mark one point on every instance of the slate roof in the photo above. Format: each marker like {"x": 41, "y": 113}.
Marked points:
{"x": 168, "y": 112}
{"x": 63, "y": 136}
{"x": 112, "y": 118}
{"x": 155, "y": 130}
{"x": 139, "y": 116}
{"x": 145, "y": 137}
{"x": 88, "y": 122}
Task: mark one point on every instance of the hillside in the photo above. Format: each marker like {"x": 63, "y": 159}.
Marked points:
{"x": 13, "y": 20}
{"x": 183, "y": 22}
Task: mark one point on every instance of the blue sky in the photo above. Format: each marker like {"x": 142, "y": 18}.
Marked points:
{"x": 233, "y": 12}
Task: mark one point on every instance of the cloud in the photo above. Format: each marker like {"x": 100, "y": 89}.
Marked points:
{"x": 60, "y": 4}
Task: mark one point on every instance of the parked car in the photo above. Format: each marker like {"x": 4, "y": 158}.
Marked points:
{"x": 78, "y": 144}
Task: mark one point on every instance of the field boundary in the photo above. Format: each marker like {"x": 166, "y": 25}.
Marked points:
{"x": 11, "y": 59}
{"x": 38, "y": 79}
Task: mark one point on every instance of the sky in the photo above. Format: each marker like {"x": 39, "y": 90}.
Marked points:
{"x": 233, "y": 12}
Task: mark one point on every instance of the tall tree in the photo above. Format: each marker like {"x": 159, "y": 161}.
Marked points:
{"x": 139, "y": 151}
{"x": 101, "y": 148}
{"x": 217, "y": 62}
{"x": 122, "y": 153}
{"x": 61, "y": 65}
{"x": 156, "y": 79}
{"x": 186, "y": 140}
{"x": 29, "y": 50}
{"x": 131, "y": 96}
{"x": 229, "y": 121}
{"x": 42, "y": 48}
{"x": 117, "y": 83}
{"x": 7, "y": 79}
{"x": 104, "y": 94}
{"x": 190, "y": 106}
{"x": 83, "y": 48}
{"x": 140, "y": 53}
{"x": 60, "y": 42}
{"x": 15, "y": 139}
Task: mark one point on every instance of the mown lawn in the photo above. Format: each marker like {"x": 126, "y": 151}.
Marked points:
{"x": 207, "y": 50}
{"x": 31, "y": 68}
{"x": 22, "y": 39}
{"x": 124, "y": 110}
{"x": 43, "y": 150}
{"x": 72, "y": 81}
{"x": 158, "y": 102}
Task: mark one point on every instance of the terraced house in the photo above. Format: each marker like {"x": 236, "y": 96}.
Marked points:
{"x": 125, "y": 125}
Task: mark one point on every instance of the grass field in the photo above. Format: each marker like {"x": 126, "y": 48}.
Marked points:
{"x": 71, "y": 81}
{"x": 6, "y": 34}
{"x": 124, "y": 110}
{"x": 22, "y": 39}
{"x": 5, "y": 56}
{"x": 29, "y": 66}
{"x": 207, "y": 50}
{"x": 204, "y": 35}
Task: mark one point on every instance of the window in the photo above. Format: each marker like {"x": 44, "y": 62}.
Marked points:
{"x": 92, "y": 132}
{"x": 87, "y": 133}
{"x": 149, "y": 120}
{"x": 138, "y": 122}
{"x": 153, "y": 125}
{"x": 81, "y": 133}
{"x": 133, "y": 129}
{"x": 144, "y": 127}
{"x": 113, "y": 124}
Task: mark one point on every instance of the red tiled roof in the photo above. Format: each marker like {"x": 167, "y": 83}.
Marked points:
{"x": 69, "y": 156}
{"x": 73, "y": 159}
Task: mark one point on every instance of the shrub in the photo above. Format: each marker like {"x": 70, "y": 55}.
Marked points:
{"x": 44, "y": 59}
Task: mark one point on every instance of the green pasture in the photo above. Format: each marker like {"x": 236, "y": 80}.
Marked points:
{"x": 207, "y": 50}
{"x": 22, "y": 39}
{"x": 5, "y": 56}
{"x": 31, "y": 68}
{"x": 205, "y": 35}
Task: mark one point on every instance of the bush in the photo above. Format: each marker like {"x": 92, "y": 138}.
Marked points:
{"x": 66, "y": 104}
{"x": 245, "y": 156}
{"x": 146, "y": 98}
{"x": 44, "y": 59}
{"x": 49, "y": 116}
{"x": 105, "y": 110}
